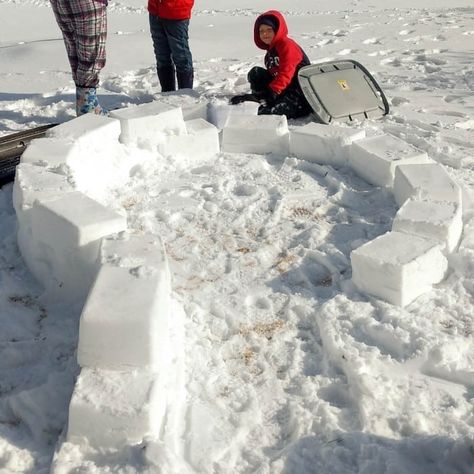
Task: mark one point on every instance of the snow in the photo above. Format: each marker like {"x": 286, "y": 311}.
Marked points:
{"x": 278, "y": 363}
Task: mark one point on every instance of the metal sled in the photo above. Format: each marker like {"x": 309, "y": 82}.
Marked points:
{"x": 342, "y": 91}
{"x": 11, "y": 148}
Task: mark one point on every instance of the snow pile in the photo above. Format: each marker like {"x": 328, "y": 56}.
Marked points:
{"x": 131, "y": 330}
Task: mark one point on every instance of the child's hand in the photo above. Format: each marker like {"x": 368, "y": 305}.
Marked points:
{"x": 237, "y": 99}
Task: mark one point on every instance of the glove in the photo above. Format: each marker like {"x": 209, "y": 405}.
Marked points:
{"x": 238, "y": 99}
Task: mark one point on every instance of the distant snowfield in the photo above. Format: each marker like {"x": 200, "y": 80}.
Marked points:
{"x": 287, "y": 370}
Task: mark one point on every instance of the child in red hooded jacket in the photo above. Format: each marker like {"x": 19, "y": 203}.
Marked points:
{"x": 276, "y": 86}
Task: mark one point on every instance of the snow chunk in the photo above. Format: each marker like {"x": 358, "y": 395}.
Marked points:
{"x": 61, "y": 244}
{"x": 75, "y": 220}
{"x": 113, "y": 409}
{"x": 218, "y": 114}
{"x": 124, "y": 324}
{"x": 398, "y": 267}
{"x": 201, "y": 141}
{"x": 322, "y": 143}
{"x": 35, "y": 182}
{"x": 425, "y": 181}
{"x": 146, "y": 125}
{"x": 375, "y": 159}
{"x": 441, "y": 221}
{"x": 87, "y": 129}
{"x": 49, "y": 152}
{"x": 260, "y": 134}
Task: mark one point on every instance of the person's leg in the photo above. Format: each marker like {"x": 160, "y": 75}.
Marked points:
{"x": 64, "y": 19}
{"x": 164, "y": 63}
{"x": 291, "y": 104}
{"x": 90, "y": 24}
{"x": 178, "y": 40}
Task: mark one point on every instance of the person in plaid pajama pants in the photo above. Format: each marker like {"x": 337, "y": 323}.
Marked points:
{"x": 83, "y": 24}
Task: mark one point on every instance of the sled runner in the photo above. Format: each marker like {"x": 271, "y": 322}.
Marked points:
{"x": 11, "y": 148}
{"x": 342, "y": 91}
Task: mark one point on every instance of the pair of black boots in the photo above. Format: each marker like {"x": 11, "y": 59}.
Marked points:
{"x": 167, "y": 77}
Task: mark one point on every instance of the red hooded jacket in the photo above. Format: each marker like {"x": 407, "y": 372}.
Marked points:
{"x": 171, "y": 9}
{"x": 284, "y": 56}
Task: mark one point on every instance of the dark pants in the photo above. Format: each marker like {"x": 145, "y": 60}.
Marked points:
{"x": 291, "y": 102}
{"x": 170, "y": 42}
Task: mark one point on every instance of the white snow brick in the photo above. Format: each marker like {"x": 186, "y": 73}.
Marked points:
{"x": 67, "y": 234}
{"x": 425, "y": 181}
{"x": 376, "y": 158}
{"x": 36, "y": 182}
{"x": 146, "y": 125}
{"x": 195, "y": 111}
{"x": 75, "y": 220}
{"x": 134, "y": 250}
{"x": 398, "y": 267}
{"x": 260, "y": 134}
{"x": 323, "y": 144}
{"x": 441, "y": 221}
{"x": 88, "y": 129}
{"x": 125, "y": 321}
{"x": 113, "y": 409}
{"x": 48, "y": 152}
{"x": 219, "y": 113}
{"x": 201, "y": 141}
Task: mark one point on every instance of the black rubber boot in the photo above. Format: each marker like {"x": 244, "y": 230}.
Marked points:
{"x": 185, "y": 79}
{"x": 167, "y": 78}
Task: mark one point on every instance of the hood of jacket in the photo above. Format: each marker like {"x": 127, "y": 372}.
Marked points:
{"x": 282, "y": 29}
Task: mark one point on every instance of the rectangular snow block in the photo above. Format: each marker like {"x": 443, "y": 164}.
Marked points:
{"x": 87, "y": 129}
{"x": 48, "y": 152}
{"x": 398, "y": 267}
{"x": 260, "y": 134}
{"x": 201, "y": 141}
{"x": 74, "y": 220}
{"x": 125, "y": 321}
{"x": 61, "y": 244}
{"x": 114, "y": 409}
{"x": 133, "y": 251}
{"x": 36, "y": 182}
{"x": 148, "y": 124}
{"x": 218, "y": 114}
{"x": 375, "y": 159}
{"x": 425, "y": 181}
{"x": 323, "y": 144}
{"x": 441, "y": 221}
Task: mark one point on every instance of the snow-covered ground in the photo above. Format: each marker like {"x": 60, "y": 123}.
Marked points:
{"x": 287, "y": 369}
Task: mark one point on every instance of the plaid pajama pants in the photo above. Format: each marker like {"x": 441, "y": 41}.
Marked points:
{"x": 83, "y": 24}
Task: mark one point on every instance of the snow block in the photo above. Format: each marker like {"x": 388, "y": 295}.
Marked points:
{"x": 218, "y": 114}
{"x": 113, "y": 409}
{"x": 125, "y": 321}
{"x": 133, "y": 251}
{"x": 398, "y": 267}
{"x": 323, "y": 144}
{"x": 146, "y": 125}
{"x": 441, "y": 221}
{"x": 75, "y": 220}
{"x": 201, "y": 141}
{"x": 48, "y": 152}
{"x": 260, "y": 134}
{"x": 425, "y": 181}
{"x": 87, "y": 129}
{"x": 375, "y": 159}
{"x": 67, "y": 234}
{"x": 36, "y": 182}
